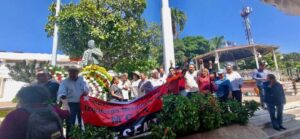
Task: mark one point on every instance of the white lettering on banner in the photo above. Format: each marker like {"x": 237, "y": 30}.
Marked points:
{"x": 125, "y": 132}
{"x": 146, "y": 127}
{"x": 137, "y": 129}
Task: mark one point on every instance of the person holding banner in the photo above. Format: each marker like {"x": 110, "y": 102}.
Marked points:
{"x": 145, "y": 85}
{"x": 115, "y": 94}
{"x": 134, "y": 84}
{"x": 72, "y": 89}
{"x": 125, "y": 85}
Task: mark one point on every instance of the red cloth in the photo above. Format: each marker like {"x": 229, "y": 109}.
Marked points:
{"x": 63, "y": 114}
{"x": 175, "y": 83}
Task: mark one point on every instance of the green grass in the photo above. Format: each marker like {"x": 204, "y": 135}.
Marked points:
{"x": 4, "y": 113}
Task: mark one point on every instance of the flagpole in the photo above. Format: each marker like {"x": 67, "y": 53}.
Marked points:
{"x": 55, "y": 36}
{"x": 169, "y": 56}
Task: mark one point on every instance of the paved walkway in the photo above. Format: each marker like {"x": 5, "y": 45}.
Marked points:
{"x": 288, "y": 98}
{"x": 7, "y": 105}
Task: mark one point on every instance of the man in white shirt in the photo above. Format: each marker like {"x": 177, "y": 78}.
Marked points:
{"x": 72, "y": 89}
{"x": 162, "y": 75}
{"x": 236, "y": 82}
{"x": 135, "y": 84}
{"x": 125, "y": 85}
{"x": 155, "y": 80}
{"x": 191, "y": 80}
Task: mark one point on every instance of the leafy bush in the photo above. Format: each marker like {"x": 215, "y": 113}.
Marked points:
{"x": 251, "y": 107}
{"x": 209, "y": 112}
{"x": 182, "y": 116}
{"x": 91, "y": 132}
{"x": 161, "y": 132}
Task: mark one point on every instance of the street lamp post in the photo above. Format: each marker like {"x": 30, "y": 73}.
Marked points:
{"x": 55, "y": 36}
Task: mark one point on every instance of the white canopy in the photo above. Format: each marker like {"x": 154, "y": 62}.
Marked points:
{"x": 291, "y": 7}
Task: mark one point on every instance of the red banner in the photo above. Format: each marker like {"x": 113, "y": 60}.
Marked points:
{"x": 101, "y": 113}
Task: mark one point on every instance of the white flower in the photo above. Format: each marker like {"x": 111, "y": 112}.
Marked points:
{"x": 95, "y": 92}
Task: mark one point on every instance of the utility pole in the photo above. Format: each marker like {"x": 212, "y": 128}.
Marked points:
{"x": 169, "y": 56}
{"x": 55, "y": 36}
{"x": 245, "y": 15}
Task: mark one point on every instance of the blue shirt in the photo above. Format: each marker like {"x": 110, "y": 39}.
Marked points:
{"x": 224, "y": 87}
{"x": 259, "y": 77}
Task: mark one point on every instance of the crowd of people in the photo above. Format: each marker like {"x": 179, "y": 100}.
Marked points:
{"x": 224, "y": 83}
{"x": 56, "y": 102}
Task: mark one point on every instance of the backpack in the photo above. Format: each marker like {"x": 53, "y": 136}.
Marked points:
{"x": 43, "y": 123}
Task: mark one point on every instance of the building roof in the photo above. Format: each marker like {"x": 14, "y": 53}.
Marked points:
{"x": 31, "y": 56}
{"x": 237, "y": 52}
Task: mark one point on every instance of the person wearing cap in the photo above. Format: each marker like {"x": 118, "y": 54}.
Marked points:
{"x": 43, "y": 79}
{"x": 260, "y": 76}
{"x": 236, "y": 82}
{"x": 191, "y": 80}
{"x": 134, "y": 84}
{"x": 224, "y": 89}
{"x": 72, "y": 88}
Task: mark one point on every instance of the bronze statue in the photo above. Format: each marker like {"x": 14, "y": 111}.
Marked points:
{"x": 92, "y": 55}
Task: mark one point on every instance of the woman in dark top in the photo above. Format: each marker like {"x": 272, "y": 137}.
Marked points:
{"x": 115, "y": 91}
{"x": 16, "y": 123}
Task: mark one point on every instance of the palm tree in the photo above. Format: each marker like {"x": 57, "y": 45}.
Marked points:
{"x": 178, "y": 20}
{"x": 216, "y": 43}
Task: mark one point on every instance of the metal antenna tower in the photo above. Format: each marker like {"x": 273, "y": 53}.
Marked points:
{"x": 245, "y": 15}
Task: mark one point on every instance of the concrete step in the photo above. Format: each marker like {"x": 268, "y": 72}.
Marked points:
{"x": 288, "y": 106}
{"x": 292, "y": 132}
{"x": 263, "y": 119}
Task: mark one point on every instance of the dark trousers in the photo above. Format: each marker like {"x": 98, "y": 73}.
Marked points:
{"x": 237, "y": 95}
{"x": 276, "y": 120}
{"x": 75, "y": 112}
{"x": 261, "y": 96}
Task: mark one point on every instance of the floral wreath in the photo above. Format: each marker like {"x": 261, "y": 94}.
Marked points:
{"x": 57, "y": 73}
{"x": 98, "y": 80}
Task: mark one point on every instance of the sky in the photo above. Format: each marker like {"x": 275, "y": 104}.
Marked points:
{"x": 23, "y": 21}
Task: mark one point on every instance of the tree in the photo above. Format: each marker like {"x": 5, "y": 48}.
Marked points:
{"x": 178, "y": 21}
{"x": 216, "y": 43}
{"x": 25, "y": 71}
{"x": 189, "y": 47}
{"x": 116, "y": 26}
{"x": 291, "y": 60}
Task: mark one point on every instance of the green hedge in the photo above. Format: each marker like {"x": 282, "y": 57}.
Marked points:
{"x": 182, "y": 116}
